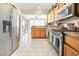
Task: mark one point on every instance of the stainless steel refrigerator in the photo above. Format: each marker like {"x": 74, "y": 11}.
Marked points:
{"x": 8, "y": 30}
{"x": 15, "y": 29}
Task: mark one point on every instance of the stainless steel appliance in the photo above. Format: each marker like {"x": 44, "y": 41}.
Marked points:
{"x": 8, "y": 30}
{"x": 57, "y": 42}
{"x": 49, "y": 34}
{"x": 14, "y": 30}
{"x": 68, "y": 10}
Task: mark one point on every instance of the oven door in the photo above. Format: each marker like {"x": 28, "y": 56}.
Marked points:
{"x": 55, "y": 43}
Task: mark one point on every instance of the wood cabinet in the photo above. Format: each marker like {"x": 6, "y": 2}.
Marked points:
{"x": 53, "y": 12}
{"x": 56, "y": 9}
{"x": 49, "y": 18}
{"x": 38, "y": 32}
{"x": 33, "y": 32}
{"x": 71, "y": 46}
{"x": 60, "y": 5}
{"x": 77, "y": 8}
{"x": 52, "y": 15}
{"x": 68, "y": 51}
{"x": 72, "y": 41}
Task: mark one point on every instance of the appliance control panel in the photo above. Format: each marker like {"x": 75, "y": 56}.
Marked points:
{"x": 6, "y": 26}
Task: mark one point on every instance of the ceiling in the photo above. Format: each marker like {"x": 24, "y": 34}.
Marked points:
{"x": 34, "y": 8}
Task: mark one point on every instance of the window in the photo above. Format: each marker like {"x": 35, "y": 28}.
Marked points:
{"x": 25, "y": 26}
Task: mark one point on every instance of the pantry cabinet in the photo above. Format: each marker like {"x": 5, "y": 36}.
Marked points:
{"x": 71, "y": 46}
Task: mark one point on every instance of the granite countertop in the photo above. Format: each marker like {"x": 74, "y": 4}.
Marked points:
{"x": 38, "y": 26}
{"x": 72, "y": 34}
{"x": 68, "y": 32}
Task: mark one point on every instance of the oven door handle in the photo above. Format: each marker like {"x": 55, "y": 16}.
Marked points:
{"x": 57, "y": 43}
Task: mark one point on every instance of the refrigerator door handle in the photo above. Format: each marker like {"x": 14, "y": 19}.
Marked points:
{"x": 10, "y": 27}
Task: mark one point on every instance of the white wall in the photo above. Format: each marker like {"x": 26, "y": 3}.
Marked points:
{"x": 37, "y": 20}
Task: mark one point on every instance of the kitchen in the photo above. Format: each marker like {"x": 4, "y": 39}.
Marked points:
{"x": 39, "y": 29}
{"x": 64, "y": 31}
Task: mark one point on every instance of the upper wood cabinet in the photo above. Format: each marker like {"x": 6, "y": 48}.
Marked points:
{"x": 49, "y": 17}
{"x": 60, "y": 5}
{"x": 52, "y": 15}
{"x": 56, "y": 9}
{"x": 78, "y": 8}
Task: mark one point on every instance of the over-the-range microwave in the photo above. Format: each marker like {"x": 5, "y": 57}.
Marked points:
{"x": 68, "y": 10}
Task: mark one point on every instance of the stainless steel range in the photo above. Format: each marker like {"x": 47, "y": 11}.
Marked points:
{"x": 57, "y": 41}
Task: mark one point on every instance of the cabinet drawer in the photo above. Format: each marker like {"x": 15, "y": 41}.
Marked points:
{"x": 73, "y": 42}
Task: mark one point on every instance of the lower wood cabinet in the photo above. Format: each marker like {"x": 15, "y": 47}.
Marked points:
{"x": 42, "y": 32}
{"x": 71, "y": 46}
{"x": 33, "y": 32}
{"x": 68, "y": 51}
{"x": 38, "y": 32}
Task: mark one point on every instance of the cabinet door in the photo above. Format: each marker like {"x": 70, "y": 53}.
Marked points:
{"x": 47, "y": 33}
{"x": 77, "y": 8}
{"x": 37, "y": 33}
{"x": 56, "y": 9}
{"x": 68, "y": 51}
{"x": 72, "y": 41}
{"x": 54, "y": 14}
{"x": 60, "y": 5}
{"x": 43, "y": 33}
{"x": 33, "y": 33}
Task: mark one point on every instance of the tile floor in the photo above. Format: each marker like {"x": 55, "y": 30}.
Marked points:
{"x": 39, "y": 47}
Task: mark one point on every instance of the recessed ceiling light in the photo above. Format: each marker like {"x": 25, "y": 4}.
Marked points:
{"x": 39, "y": 7}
